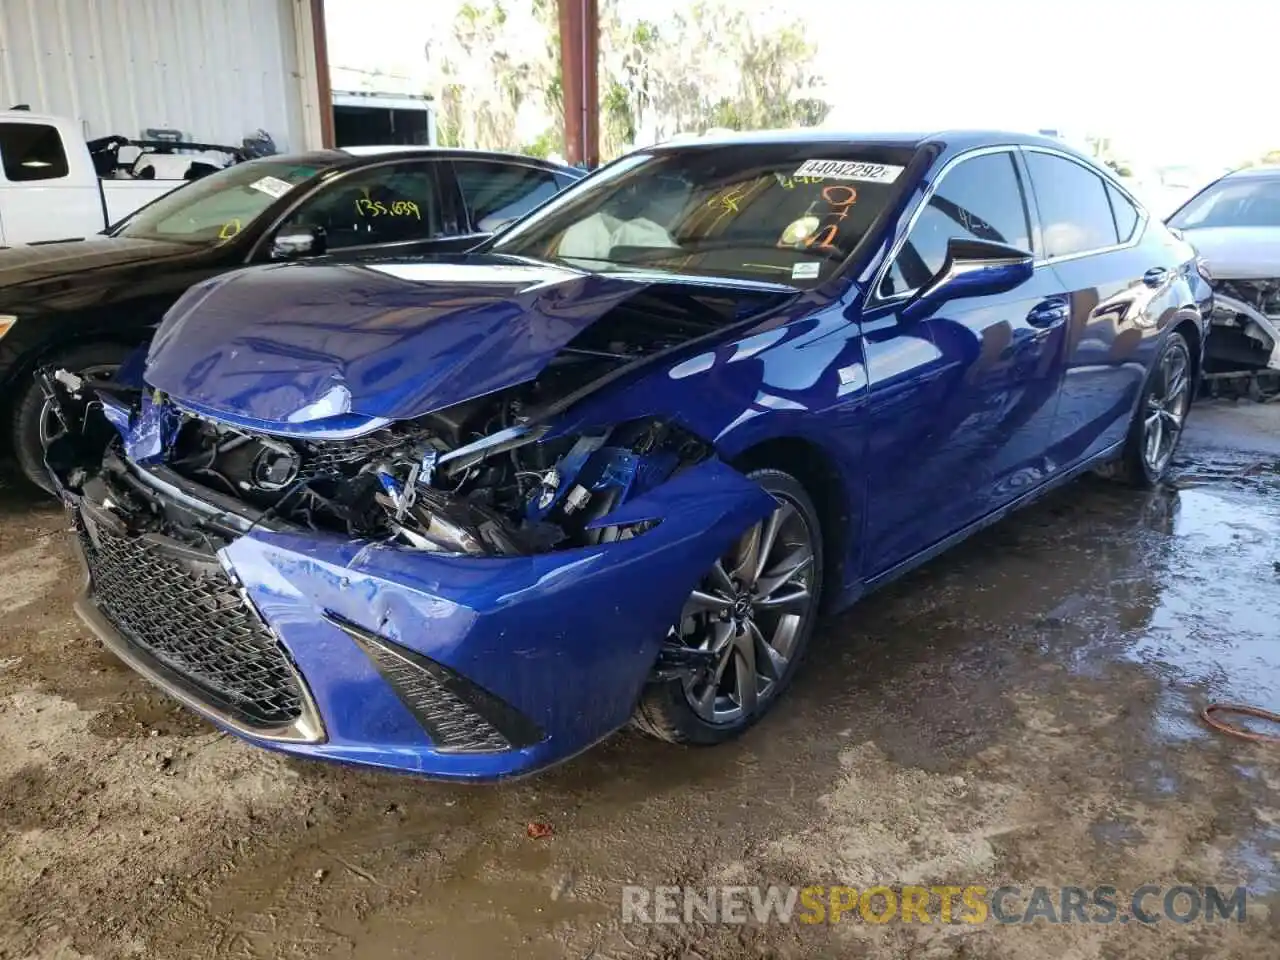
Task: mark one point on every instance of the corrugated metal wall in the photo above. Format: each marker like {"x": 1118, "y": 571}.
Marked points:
{"x": 214, "y": 69}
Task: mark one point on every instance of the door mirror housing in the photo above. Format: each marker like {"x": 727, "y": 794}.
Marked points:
{"x": 298, "y": 242}
{"x": 973, "y": 268}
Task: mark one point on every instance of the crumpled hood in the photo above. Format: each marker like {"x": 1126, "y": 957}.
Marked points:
{"x": 293, "y": 344}
{"x": 1238, "y": 253}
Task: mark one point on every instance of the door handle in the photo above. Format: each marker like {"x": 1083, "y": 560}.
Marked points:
{"x": 1048, "y": 313}
{"x": 1155, "y": 277}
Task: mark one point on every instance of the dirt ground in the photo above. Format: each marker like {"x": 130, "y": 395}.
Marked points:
{"x": 1021, "y": 711}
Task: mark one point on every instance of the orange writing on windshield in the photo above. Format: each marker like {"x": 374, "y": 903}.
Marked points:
{"x": 839, "y": 198}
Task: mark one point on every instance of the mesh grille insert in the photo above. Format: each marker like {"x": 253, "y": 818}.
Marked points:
{"x": 194, "y": 622}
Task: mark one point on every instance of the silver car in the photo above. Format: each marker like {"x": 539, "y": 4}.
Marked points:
{"x": 1234, "y": 224}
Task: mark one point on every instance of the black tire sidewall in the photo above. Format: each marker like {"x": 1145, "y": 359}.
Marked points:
{"x": 29, "y": 405}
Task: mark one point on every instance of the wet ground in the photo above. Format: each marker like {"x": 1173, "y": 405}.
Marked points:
{"x": 1021, "y": 711}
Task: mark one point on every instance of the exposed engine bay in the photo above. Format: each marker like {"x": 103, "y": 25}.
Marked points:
{"x": 1242, "y": 355}
{"x": 487, "y": 476}
{"x": 405, "y": 483}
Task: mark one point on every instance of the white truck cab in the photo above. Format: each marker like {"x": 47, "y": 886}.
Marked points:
{"x": 49, "y": 187}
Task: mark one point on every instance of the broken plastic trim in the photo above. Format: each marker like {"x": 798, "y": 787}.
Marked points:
{"x": 583, "y": 497}
{"x": 1266, "y": 325}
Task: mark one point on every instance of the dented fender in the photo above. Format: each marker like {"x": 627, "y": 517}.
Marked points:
{"x": 568, "y": 637}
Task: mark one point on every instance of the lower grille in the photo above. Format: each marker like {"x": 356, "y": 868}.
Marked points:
{"x": 458, "y": 716}
{"x": 194, "y": 622}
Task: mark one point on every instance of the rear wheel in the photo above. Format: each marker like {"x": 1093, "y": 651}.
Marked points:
{"x": 34, "y": 423}
{"x": 753, "y": 612}
{"x": 1157, "y": 424}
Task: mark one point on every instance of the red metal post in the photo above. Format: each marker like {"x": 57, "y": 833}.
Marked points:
{"x": 324, "y": 91}
{"x": 579, "y": 62}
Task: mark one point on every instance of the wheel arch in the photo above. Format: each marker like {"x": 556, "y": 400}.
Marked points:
{"x": 19, "y": 372}
{"x": 1189, "y": 326}
{"x": 822, "y": 479}
{"x": 27, "y": 361}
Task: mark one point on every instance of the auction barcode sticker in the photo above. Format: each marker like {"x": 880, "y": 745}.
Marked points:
{"x": 849, "y": 170}
{"x": 271, "y": 186}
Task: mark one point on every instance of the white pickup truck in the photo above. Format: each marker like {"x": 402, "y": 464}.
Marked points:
{"x": 52, "y": 189}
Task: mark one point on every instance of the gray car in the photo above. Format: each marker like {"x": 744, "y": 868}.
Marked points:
{"x": 1234, "y": 224}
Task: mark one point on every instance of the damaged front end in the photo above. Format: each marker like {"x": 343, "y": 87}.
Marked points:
{"x": 512, "y": 491}
{"x": 467, "y": 593}
{"x": 1242, "y": 353}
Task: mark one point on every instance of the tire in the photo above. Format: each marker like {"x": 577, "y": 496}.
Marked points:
{"x": 1136, "y": 466}
{"x": 668, "y": 710}
{"x": 31, "y": 408}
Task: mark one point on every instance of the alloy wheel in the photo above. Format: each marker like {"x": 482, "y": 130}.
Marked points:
{"x": 1166, "y": 407}
{"x": 749, "y": 612}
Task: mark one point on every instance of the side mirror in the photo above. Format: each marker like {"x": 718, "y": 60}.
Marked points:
{"x": 298, "y": 242}
{"x": 973, "y": 268}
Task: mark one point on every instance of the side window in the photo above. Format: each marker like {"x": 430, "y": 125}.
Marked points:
{"x": 496, "y": 193}
{"x": 980, "y": 198}
{"x": 394, "y": 203}
{"x": 1126, "y": 214}
{"x": 1075, "y": 215}
{"x": 31, "y": 151}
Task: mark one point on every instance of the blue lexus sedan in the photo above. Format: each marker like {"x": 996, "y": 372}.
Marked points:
{"x": 465, "y": 517}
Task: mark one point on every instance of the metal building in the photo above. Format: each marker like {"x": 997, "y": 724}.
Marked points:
{"x": 217, "y": 70}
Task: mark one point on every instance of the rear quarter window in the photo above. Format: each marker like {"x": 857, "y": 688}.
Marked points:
{"x": 1126, "y": 214}
{"x": 1075, "y": 214}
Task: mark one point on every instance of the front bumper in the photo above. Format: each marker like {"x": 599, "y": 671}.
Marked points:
{"x": 1244, "y": 337}
{"x": 451, "y": 667}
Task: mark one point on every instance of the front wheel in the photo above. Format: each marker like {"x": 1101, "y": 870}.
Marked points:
{"x": 34, "y": 423}
{"x": 753, "y": 612}
{"x": 1157, "y": 424}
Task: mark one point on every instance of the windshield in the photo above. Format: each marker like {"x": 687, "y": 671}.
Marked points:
{"x": 1251, "y": 202}
{"x": 215, "y": 208}
{"x": 787, "y": 213}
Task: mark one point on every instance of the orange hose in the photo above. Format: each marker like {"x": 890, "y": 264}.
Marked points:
{"x": 1207, "y": 714}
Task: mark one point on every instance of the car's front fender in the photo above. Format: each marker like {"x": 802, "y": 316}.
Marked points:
{"x": 566, "y": 638}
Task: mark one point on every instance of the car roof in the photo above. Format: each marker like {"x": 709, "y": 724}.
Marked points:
{"x": 412, "y": 150}
{"x": 28, "y": 117}
{"x": 956, "y": 139}
{"x": 1261, "y": 172}
{"x": 352, "y": 157}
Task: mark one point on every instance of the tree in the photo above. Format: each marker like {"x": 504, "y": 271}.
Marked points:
{"x": 712, "y": 65}
{"x": 487, "y": 66}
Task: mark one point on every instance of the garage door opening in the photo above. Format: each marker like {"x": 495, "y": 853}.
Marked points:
{"x": 371, "y": 119}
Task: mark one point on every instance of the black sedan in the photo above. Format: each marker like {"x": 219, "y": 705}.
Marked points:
{"x": 85, "y": 304}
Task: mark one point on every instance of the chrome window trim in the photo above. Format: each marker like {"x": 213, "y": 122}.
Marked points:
{"x": 513, "y": 162}
{"x": 874, "y": 291}
{"x": 1139, "y": 230}
{"x": 1028, "y": 190}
